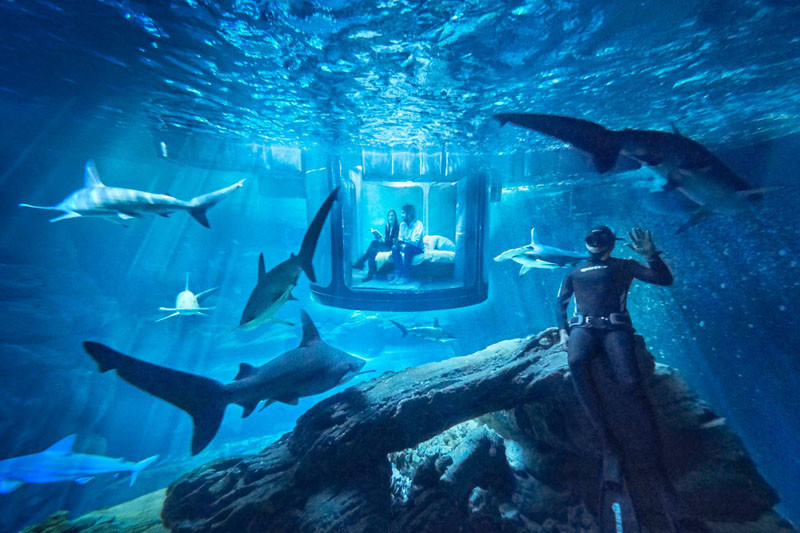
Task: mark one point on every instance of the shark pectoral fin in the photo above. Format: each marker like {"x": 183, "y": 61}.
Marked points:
{"x": 266, "y": 404}
{"x": 289, "y": 401}
{"x": 66, "y": 216}
{"x": 205, "y": 292}
{"x": 284, "y": 322}
{"x": 168, "y": 309}
{"x": 84, "y": 480}
{"x": 524, "y": 270}
{"x": 125, "y": 216}
{"x": 9, "y": 485}
{"x": 166, "y": 317}
{"x": 291, "y": 297}
{"x": 248, "y": 408}
{"x": 697, "y": 217}
{"x": 165, "y": 215}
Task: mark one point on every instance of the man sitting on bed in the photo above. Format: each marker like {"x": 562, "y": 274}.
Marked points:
{"x": 408, "y": 244}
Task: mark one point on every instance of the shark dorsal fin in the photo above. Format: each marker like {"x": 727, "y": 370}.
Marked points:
{"x": 90, "y": 176}
{"x": 245, "y": 370}
{"x": 63, "y": 446}
{"x": 310, "y": 333}
{"x": 262, "y": 271}
{"x": 534, "y": 240}
{"x": 436, "y": 323}
{"x": 187, "y": 282}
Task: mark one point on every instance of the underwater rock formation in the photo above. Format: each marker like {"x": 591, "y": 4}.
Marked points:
{"x": 487, "y": 442}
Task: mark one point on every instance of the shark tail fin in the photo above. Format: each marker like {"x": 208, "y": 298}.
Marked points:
{"x": 203, "y": 398}
{"x": 401, "y": 326}
{"x": 600, "y": 143}
{"x": 306, "y": 255}
{"x": 141, "y": 465}
{"x": 200, "y": 204}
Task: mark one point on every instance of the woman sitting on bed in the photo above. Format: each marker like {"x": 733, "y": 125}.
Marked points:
{"x": 382, "y": 243}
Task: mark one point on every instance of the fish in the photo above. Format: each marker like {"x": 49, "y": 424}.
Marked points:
{"x": 120, "y": 205}
{"x": 274, "y": 288}
{"x": 537, "y": 255}
{"x": 431, "y": 333}
{"x": 687, "y": 166}
{"x": 60, "y": 463}
{"x": 187, "y": 303}
{"x": 312, "y": 368}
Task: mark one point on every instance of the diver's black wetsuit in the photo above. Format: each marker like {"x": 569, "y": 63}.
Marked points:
{"x": 601, "y": 288}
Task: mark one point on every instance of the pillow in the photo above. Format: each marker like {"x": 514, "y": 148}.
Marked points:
{"x": 437, "y": 242}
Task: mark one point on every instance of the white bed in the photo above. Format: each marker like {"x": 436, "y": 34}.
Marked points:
{"x": 437, "y": 249}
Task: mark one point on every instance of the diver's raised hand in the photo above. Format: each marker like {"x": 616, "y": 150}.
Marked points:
{"x": 641, "y": 242}
{"x": 563, "y": 337}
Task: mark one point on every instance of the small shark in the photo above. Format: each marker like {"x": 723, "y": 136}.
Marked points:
{"x": 187, "y": 303}
{"x": 687, "y": 166}
{"x": 274, "y": 288}
{"x": 430, "y": 333}
{"x": 120, "y": 205}
{"x": 536, "y": 255}
{"x": 312, "y": 368}
{"x": 60, "y": 463}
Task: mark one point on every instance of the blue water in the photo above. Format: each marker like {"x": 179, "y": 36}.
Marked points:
{"x": 112, "y": 79}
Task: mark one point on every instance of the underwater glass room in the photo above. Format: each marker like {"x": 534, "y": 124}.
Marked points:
{"x": 311, "y": 265}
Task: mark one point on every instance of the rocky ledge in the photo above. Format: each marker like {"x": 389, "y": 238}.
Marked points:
{"x": 494, "y": 441}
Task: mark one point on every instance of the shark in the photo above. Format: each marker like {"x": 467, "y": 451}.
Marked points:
{"x": 537, "y": 255}
{"x": 60, "y": 463}
{"x": 431, "y": 333}
{"x": 120, "y": 205}
{"x": 312, "y": 368}
{"x": 274, "y": 288}
{"x": 187, "y": 303}
{"x": 686, "y": 165}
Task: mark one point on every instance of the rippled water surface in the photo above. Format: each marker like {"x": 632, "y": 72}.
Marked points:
{"x": 409, "y": 72}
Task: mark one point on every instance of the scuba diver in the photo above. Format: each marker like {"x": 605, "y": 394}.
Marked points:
{"x": 602, "y": 325}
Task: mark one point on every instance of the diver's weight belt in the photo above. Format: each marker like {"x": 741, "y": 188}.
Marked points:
{"x": 612, "y": 320}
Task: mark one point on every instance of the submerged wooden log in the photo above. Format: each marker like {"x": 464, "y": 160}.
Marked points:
{"x": 332, "y": 472}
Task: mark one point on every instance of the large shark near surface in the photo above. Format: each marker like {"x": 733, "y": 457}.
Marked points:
{"x": 60, "y": 463}
{"x": 274, "y": 288}
{"x": 537, "y": 255}
{"x": 687, "y": 166}
{"x": 120, "y": 205}
{"x": 312, "y": 368}
{"x": 187, "y": 303}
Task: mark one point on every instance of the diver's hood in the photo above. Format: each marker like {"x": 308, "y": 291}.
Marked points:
{"x": 601, "y": 241}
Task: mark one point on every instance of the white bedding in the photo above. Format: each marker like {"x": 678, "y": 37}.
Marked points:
{"x": 430, "y": 253}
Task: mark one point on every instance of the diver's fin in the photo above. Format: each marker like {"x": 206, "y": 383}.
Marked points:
{"x": 310, "y": 333}
{"x": 306, "y": 254}
{"x": 90, "y": 176}
{"x": 601, "y": 144}
{"x": 84, "y": 480}
{"x": 65, "y": 216}
{"x": 63, "y": 446}
{"x": 203, "y": 398}
{"x": 245, "y": 370}
{"x": 141, "y": 465}
{"x": 524, "y": 270}
{"x": 176, "y": 313}
{"x": 401, "y": 326}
